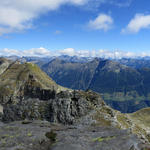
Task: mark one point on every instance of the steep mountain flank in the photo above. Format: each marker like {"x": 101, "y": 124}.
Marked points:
{"x": 113, "y": 77}
{"x": 71, "y": 75}
{"x": 103, "y": 76}
{"x": 116, "y": 81}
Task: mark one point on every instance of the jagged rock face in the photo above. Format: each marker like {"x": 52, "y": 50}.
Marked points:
{"x": 64, "y": 108}
{"x": 39, "y": 93}
{"x": 67, "y": 107}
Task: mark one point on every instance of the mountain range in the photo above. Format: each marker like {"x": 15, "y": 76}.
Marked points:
{"x": 35, "y": 109}
{"x": 121, "y": 82}
{"x": 114, "y": 80}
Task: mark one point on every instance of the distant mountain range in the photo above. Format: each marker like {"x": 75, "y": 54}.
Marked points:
{"x": 135, "y": 63}
{"x": 138, "y": 62}
{"x": 103, "y": 76}
{"x": 123, "y": 81}
{"x": 115, "y": 80}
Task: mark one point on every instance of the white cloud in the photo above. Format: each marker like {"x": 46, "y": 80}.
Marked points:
{"x": 101, "y": 53}
{"x": 38, "y": 52}
{"x": 140, "y": 21}
{"x": 16, "y": 15}
{"x": 102, "y": 22}
{"x": 9, "y": 52}
{"x": 43, "y": 52}
{"x": 80, "y": 53}
{"x": 67, "y": 51}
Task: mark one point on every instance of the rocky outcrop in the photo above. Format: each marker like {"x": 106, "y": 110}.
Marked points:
{"x": 66, "y": 107}
{"x": 73, "y": 108}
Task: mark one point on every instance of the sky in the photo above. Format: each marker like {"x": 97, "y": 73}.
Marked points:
{"x": 104, "y": 28}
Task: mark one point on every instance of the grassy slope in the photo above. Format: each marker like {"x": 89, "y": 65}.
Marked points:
{"x": 17, "y": 74}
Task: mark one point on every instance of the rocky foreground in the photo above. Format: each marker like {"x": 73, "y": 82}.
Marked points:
{"x": 38, "y": 114}
{"x": 42, "y": 135}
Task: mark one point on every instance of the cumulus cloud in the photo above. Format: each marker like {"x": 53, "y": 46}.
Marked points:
{"x": 39, "y": 52}
{"x": 140, "y": 21}
{"x": 16, "y": 15}
{"x": 102, "y": 22}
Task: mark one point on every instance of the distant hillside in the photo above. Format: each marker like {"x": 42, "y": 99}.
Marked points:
{"x": 113, "y": 77}
{"x": 71, "y": 75}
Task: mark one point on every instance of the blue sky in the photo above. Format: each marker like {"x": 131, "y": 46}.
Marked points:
{"x": 70, "y": 26}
